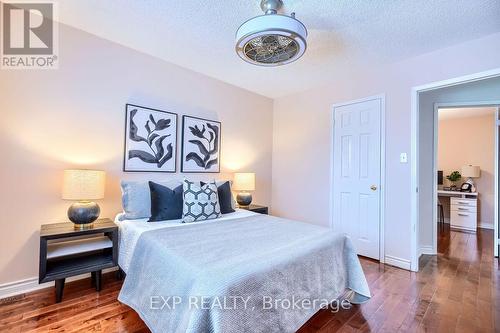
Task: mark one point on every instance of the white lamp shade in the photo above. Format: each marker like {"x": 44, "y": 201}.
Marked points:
{"x": 244, "y": 181}
{"x": 471, "y": 171}
{"x": 83, "y": 184}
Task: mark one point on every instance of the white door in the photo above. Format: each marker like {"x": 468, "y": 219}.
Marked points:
{"x": 356, "y": 174}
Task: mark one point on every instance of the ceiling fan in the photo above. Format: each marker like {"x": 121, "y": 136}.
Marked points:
{"x": 271, "y": 39}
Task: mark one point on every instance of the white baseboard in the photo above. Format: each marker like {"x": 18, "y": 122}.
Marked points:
{"x": 398, "y": 262}
{"x": 27, "y": 285}
{"x": 426, "y": 249}
{"x": 22, "y": 286}
{"x": 485, "y": 225}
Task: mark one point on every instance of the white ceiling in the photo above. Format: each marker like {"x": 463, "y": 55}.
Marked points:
{"x": 199, "y": 35}
{"x": 453, "y": 113}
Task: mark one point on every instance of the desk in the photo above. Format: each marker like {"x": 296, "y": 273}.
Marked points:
{"x": 463, "y": 209}
{"x": 444, "y": 193}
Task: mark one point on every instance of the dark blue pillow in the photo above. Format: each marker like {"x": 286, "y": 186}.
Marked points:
{"x": 225, "y": 197}
{"x": 166, "y": 204}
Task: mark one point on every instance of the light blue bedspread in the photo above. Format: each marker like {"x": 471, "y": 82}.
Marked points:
{"x": 241, "y": 275}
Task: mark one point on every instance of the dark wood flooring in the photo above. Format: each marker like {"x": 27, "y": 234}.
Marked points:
{"x": 456, "y": 291}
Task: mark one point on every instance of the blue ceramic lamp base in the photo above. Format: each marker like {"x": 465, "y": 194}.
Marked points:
{"x": 83, "y": 213}
{"x": 244, "y": 198}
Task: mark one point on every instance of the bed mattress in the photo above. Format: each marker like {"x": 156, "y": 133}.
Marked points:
{"x": 251, "y": 258}
{"x": 131, "y": 230}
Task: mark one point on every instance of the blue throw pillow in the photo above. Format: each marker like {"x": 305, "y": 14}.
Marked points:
{"x": 166, "y": 203}
{"x": 225, "y": 197}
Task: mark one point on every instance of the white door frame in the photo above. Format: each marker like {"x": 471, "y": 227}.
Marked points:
{"x": 380, "y": 97}
{"x": 497, "y": 184}
{"x": 437, "y": 106}
{"x": 414, "y": 148}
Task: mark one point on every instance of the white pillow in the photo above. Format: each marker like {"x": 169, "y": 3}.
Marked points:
{"x": 201, "y": 202}
{"x": 136, "y": 198}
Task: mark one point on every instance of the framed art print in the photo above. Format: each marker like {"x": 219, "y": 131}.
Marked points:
{"x": 201, "y": 140}
{"x": 150, "y": 139}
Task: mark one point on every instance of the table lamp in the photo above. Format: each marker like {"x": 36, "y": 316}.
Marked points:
{"x": 244, "y": 182}
{"x": 83, "y": 186}
{"x": 471, "y": 171}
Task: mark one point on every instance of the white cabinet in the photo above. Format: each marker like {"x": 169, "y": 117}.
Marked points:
{"x": 464, "y": 214}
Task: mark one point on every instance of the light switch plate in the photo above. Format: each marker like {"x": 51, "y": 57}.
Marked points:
{"x": 403, "y": 158}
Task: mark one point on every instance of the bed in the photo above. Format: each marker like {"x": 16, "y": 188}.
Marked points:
{"x": 243, "y": 272}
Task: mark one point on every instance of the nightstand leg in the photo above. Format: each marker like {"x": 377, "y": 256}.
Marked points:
{"x": 92, "y": 279}
{"x": 59, "y": 289}
{"x": 98, "y": 278}
{"x": 120, "y": 274}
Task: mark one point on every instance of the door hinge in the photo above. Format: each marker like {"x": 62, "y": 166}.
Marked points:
{"x": 498, "y": 122}
{"x": 416, "y": 189}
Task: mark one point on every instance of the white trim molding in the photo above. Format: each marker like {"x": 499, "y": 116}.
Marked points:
{"x": 398, "y": 262}
{"x": 497, "y": 182}
{"x": 414, "y": 218}
{"x": 426, "y": 250}
{"x": 19, "y": 287}
{"x": 437, "y": 107}
{"x": 486, "y": 225}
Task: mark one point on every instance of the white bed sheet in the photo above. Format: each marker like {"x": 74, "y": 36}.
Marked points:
{"x": 131, "y": 230}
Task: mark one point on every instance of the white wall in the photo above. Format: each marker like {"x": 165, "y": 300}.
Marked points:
{"x": 485, "y": 90}
{"x": 302, "y": 128}
{"x": 470, "y": 140}
{"x": 74, "y": 117}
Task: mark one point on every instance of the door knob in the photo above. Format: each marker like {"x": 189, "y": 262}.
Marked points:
{"x": 373, "y": 187}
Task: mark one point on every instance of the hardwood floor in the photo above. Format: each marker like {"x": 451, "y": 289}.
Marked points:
{"x": 456, "y": 291}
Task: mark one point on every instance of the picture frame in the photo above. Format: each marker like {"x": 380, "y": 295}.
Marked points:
{"x": 150, "y": 140}
{"x": 201, "y": 145}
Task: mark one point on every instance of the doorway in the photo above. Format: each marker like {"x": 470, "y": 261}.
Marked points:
{"x": 465, "y": 155}
{"x": 358, "y": 166}
{"x": 484, "y": 86}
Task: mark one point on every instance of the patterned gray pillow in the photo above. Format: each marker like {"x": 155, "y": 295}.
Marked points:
{"x": 200, "y": 202}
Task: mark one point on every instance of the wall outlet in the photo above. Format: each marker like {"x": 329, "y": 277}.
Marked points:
{"x": 403, "y": 158}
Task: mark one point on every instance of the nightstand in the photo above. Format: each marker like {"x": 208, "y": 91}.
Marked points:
{"x": 66, "y": 251}
{"x": 256, "y": 209}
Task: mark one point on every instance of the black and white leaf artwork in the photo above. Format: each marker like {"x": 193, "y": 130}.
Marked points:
{"x": 208, "y": 145}
{"x": 154, "y": 141}
{"x": 151, "y": 139}
{"x": 201, "y": 145}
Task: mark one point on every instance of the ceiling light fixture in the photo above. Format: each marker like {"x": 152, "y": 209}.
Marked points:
{"x": 271, "y": 39}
